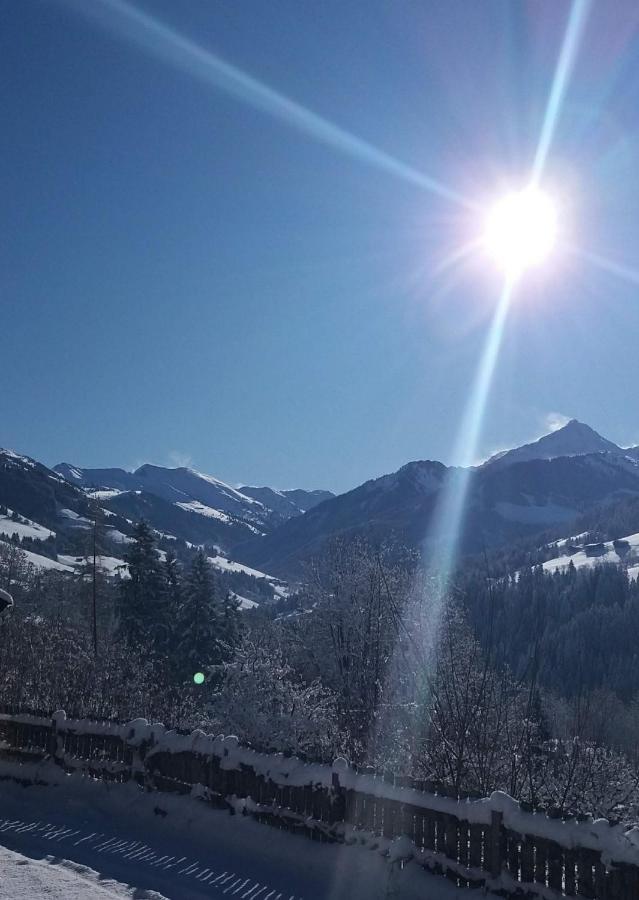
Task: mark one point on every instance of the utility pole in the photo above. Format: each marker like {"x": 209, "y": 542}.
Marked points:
{"x": 95, "y": 582}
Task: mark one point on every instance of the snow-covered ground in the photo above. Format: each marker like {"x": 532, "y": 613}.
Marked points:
{"x": 42, "y": 562}
{"x": 244, "y": 602}
{"x": 118, "y": 536}
{"x": 85, "y": 836}
{"x": 110, "y": 565}
{"x": 26, "y": 528}
{"x": 74, "y": 519}
{"x": 227, "y": 565}
{"x": 617, "y": 552}
{"x": 202, "y": 510}
{"x": 107, "y": 494}
{"x": 22, "y": 878}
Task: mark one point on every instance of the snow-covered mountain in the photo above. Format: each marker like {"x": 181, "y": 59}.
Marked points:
{"x": 287, "y": 503}
{"x": 573, "y": 439}
{"x": 192, "y": 505}
{"x": 42, "y": 513}
{"x": 56, "y": 536}
{"x": 177, "y": 485}
{"x": 526, "y": 490}
{"x": 517, "y": 493}
{"x": 35, "y": 491}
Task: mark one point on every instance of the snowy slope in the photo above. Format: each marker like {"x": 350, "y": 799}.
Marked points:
{"x": 27, "y": 528}
{"x": 227, "y": 565}
{"x": 109, "y": 565}
{"x": 35, "y": 491}
{"x": 40, "y": 562}
{"x": 280, "y": 588}
{"x": 624, "y": 551}
{"x": 244, "y": 603}
{"x": 184, "y": 483}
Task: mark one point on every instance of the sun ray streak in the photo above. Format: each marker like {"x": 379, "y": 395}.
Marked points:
{"x": 442, "y": 541}
{"x": 449, "y": 517}
{"x": 609, "y": 265}
{"x": 168, "y": 45}
{"x": 567, "y": 56}
{"x": 460, "y": 255}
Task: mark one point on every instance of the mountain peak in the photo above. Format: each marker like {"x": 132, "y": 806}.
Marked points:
{"x": 574, "y": 425}
{"x": 575, "y": 438}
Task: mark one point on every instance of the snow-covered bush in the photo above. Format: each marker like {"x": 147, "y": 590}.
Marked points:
{"x": 264, "y": 702}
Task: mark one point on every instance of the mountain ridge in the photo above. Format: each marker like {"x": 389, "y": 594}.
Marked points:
{"x": 526, "y": 489}
{"x": 573, "y": 439}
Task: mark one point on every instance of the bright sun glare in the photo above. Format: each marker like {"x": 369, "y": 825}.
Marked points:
{"x": 521, "y": 229}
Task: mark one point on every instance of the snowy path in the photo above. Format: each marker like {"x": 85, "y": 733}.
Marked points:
{"x": 22, "y": 878}
{"x": 140, "y": 863}
{"x": 114, "y": 845}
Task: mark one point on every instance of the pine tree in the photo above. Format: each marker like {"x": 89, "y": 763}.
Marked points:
{"x": 230, "y": 626}
{"x": 143, "y": 601}
{"x": 172, "y": 575}
{"x": 200, "y": 620}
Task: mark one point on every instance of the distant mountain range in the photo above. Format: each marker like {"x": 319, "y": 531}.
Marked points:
{"x": 515, "y": 493}
{"x": 189, "y": 504}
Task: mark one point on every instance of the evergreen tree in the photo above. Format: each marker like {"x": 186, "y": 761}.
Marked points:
{"x": 172, "y": 576}
{"x": 200, "y": 620}
{"x": 230, "y": 626}
{"x": 143, "y": 606}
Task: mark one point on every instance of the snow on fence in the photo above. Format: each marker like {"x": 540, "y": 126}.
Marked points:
{"x": 489, "y": 842}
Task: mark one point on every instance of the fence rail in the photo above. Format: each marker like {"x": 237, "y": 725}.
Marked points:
{"x": 490, "y": 842}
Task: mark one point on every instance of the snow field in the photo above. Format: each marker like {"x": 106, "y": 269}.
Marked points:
{"x": 23, "y": 529}
{"x": 23, "y": 878}
{"x": 626, "y": 549}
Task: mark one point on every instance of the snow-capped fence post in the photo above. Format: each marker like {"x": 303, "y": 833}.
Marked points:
{"x": 496, "y": 820}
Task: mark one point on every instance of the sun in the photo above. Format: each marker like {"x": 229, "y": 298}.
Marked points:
{"x": 520, "y": 230}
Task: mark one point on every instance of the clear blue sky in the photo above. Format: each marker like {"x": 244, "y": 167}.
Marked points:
{"x": 186, "y": 276}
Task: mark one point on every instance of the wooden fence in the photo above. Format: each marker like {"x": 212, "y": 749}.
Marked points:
{"x": 515, "y": 852}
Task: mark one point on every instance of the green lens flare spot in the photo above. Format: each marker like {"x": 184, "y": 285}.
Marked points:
{"x": 198, "y": 678}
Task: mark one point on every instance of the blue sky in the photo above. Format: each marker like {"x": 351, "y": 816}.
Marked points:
{"x": 188, "y": 276}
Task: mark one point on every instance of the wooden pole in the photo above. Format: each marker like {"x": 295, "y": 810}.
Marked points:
{"x": 95, "y": 581}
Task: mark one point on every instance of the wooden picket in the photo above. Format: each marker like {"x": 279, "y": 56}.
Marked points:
{"x": 469, "y": 853}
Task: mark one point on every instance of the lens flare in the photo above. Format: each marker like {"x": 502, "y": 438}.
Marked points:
{"x": 608, "y": 265}
{"x": 577, "y": 19}
{"x": 521, "y": 230}
{"x": 176, "y": 50}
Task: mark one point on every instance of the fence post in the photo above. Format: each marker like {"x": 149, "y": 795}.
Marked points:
{"x": 338, "y": 801}
{"x": 496, "y": 819}
{"x": 56, "y": 748}
{"x": 53, "y": 740}
{"x": 147, "y": 777}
